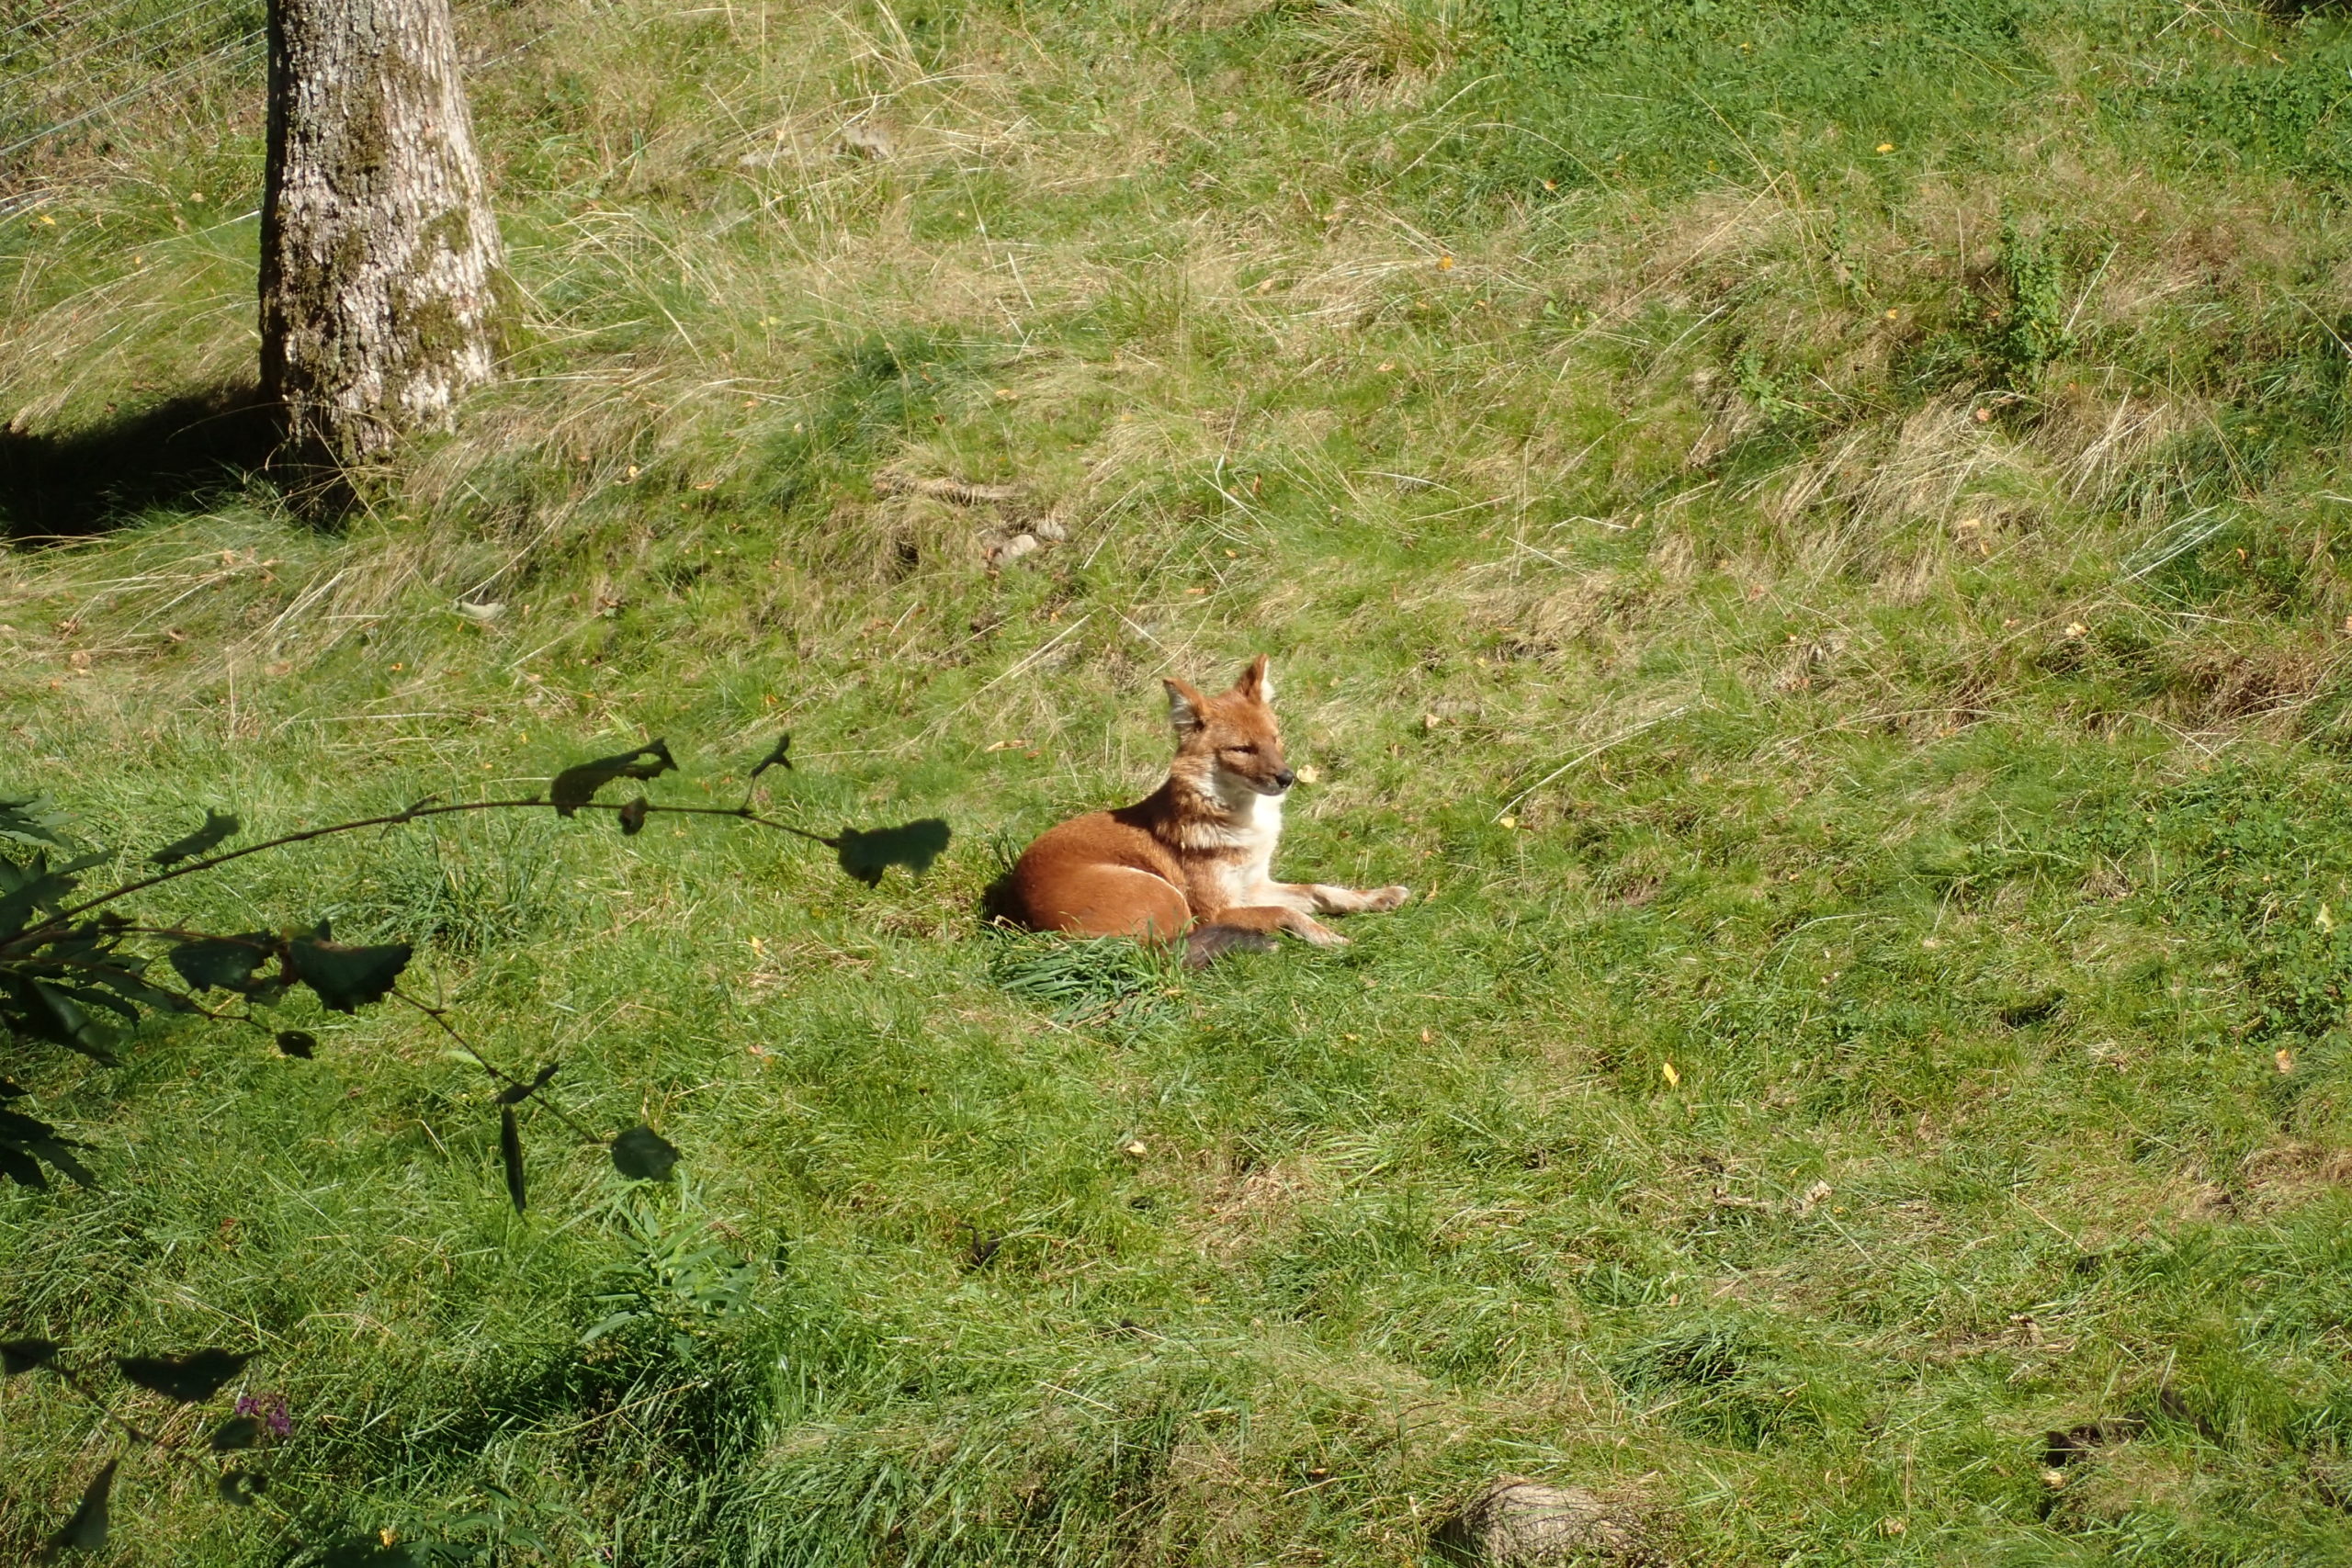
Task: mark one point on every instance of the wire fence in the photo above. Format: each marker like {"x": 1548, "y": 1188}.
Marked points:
{"x": 87, "y": 67}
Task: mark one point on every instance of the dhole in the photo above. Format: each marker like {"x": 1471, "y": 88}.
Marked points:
{"x": 1194, "y": 859}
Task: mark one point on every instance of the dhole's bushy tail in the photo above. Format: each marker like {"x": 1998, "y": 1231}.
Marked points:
{"x": 1206, "y": 944}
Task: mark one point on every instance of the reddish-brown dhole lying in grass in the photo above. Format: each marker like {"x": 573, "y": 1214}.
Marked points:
{"x": 1195, "y": 859}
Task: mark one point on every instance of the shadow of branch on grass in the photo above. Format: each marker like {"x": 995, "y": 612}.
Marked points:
{"x": 180, "y": 452}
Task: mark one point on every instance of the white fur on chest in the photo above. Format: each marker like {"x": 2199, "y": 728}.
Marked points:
{"x": 1254, "y": 827}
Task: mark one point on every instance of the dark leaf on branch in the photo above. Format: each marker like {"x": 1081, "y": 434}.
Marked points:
{"x": 37, "y": 885}
{"x": 510, "y": 1153}
{"x": 866, "y": 856}
{"x": 347, "y": 978}
{"x": 10, "y": 1089}
{"x": 24, "y": 1138}
{"x": 216, "y": 828}
{"x": 24, "y": 1355}
{"x": 91, "y": 996}
{"x": 190, "y": 1379}
{"x": 126, "y": 978}
{"x": 643, "y": 1155}
{"x": 87, "y": 1531}
{"x": 31, "y": 819}
{"x": 515, "y": 1094}
{"x": 222, "y": 963}
{"x": 240, "y": 1487}
{"x": 776, "y": 758}
{"x": 47, "y": 1013}
{"x": 236, "y": 1432}
{"x": 577, "y": 785}
{"x": 298, "y": 1043}
{"x": 367, "y": 1551}
{"x": 632, "y": 817}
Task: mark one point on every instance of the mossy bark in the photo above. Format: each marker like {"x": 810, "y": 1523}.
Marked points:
{"x": 380, "y": 257}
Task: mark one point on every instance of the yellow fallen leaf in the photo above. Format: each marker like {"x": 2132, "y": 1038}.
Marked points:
{"x": 1506, "y": 820}
{"x": 2077, "y": 629}
{"x": 1445, "y": 263}
{"x": 1886, "y": 146}
{"x": 1673, "y": 1079}
{"x": 2286, "y": 1060}
{"x": 1310, "y": 775}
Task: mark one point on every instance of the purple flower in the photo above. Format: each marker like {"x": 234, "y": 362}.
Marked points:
{"x": 270, "y": 1407}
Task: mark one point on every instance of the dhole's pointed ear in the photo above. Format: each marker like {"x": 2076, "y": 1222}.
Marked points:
{"x": 1185, "y": 707}
{"x": 1256, "y": 683}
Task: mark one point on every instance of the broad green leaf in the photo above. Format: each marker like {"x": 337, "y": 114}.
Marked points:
{"x": 298, "y": 1043}
{"x": 190, "y": 1379}
{"x": 236, "y": 1432}
{"x": 778, "y": 757}
{"x": 33, "y": 820}
{"x": 577, "y": 785}
{"x": 216, "y": 828}
{"x": 866, "y": 856}
{"x": 347, "y": 978}
{"x": 222, "y": 963}
{"x": 607, "y": 1325}
{"x": 23, "y": 1355}
{"x": 87, "y": 1531}
{"x": 510, "y": 1154}
{"x": 643, "y": 1155}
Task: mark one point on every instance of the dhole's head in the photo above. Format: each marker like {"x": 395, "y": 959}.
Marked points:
{"x": 1228, "y": 745}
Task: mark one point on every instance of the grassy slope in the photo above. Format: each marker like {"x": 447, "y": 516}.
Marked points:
{"x": 1795, "y": 607}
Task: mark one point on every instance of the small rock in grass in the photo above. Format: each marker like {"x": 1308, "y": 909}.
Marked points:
{"x": 1012, "y": 550}
{"x": 1518, "y": 1523}
{"x": 863, "y": 141}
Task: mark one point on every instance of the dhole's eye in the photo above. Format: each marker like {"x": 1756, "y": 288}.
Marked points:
{"x": 1243, "y": 750}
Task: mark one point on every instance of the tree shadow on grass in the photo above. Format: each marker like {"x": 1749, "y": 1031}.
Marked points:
{"x": 183, "y": 451}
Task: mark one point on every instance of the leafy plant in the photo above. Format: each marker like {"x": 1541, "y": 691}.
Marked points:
{"x": 75, "y": 972}
{"x": 679, "y": 1279}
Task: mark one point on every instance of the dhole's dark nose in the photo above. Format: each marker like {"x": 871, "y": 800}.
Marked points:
{"x": 1285, "y": 778}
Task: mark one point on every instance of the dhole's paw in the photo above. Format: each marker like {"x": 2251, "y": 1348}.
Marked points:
{"x": 1381, "y": 900}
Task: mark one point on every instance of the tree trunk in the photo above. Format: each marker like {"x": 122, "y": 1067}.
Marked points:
{"x": 380, "y": 254}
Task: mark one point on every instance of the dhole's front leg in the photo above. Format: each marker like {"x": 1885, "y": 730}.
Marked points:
{"x": 1271, "y": 918}
{"x": 1320, "y": 898}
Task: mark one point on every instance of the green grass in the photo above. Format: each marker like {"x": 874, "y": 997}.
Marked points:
{"x": 1859, "y": 629}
